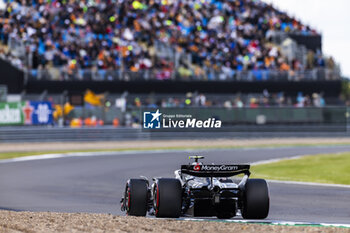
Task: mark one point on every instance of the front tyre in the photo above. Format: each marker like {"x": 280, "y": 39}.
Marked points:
{"x": 167, "y": 198}
{"x": 136, "y": 197}
{"x": 256, "y": 201}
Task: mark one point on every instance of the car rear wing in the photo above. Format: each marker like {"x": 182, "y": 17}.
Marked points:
{"x": 202, "y": 170}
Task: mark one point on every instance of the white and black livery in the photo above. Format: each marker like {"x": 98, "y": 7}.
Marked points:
{"x": 199, "y": 190}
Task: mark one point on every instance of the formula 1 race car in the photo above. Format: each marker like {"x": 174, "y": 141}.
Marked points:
{"x": 199, "y": 190}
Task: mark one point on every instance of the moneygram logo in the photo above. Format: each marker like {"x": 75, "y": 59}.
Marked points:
{"x": 219, "y": 168}
{"x": 197, "y": 167}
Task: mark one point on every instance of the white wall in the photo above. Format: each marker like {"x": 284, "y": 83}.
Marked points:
{"x": 331, "y": 18}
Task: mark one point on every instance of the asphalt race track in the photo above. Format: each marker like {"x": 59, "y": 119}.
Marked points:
{"x": 95, "y": 183}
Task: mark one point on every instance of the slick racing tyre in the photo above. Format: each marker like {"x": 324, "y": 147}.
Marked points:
{"x": 167, "y": 198}
{"x": 136, "y": 197}
{"x": 256, "y": 201}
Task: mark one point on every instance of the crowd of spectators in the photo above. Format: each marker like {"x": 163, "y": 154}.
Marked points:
{"x": 219, "y": 35}
{"x": 264, "y": 99}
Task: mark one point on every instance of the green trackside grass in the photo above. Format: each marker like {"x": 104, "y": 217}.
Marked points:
{"x": 10, "y": 155}
{"x": 324, "y": 168}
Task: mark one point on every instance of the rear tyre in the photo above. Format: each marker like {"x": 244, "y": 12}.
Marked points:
{"x": 167, "y": 198}
{"x": 136, "y": 197}
{"x": 256, "y": 201}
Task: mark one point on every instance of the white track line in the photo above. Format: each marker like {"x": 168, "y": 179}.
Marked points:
{"x": 88, "y": 154}
{"x": 271, "y": 222}
{"x": 286, "y": 158}
{"x": 277, "y": 160}
{"x": 74, "y": 154}
{"x": 97, "y": 153}
{"x": 309, "y": 183}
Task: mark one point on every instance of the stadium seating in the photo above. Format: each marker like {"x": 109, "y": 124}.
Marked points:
{"x": 160, "y": 39}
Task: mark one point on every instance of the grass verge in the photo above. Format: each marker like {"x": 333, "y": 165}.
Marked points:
{"x": 325, "y": 168}
{"x": 10, "y": 155}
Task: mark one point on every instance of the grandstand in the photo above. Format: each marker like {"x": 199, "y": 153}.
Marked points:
{"x": 205, "y": 40}
{"x": 231, "y": 52}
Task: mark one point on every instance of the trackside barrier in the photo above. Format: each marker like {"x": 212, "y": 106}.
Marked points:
{"x": 110, "y": 133}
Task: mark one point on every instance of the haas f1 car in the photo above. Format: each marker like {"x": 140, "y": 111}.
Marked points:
{"x": 199, "y": 190}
